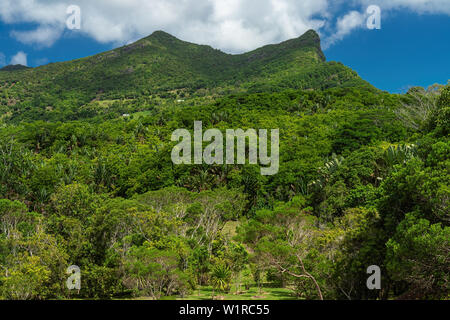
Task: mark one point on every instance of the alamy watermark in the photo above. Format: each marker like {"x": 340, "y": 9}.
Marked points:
{"x": 236, "y": 146}
{"x": 73, "y": 21}
{"x": 374, "y": 17}
{"x": 374, "y": 281}
{"x": 74, "y": 280}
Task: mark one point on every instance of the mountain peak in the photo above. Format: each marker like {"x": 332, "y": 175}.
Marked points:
{"x": 309, "y": 39}
{"x": 14, "y": 67}
{"x": 312, "y": 34}
{"x": 162, "y": 35}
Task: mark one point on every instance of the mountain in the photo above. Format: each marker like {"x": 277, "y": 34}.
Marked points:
{"x": 88, "y": 176}
{"x": 161, "y": 65}
{"x": 14, "y": 67}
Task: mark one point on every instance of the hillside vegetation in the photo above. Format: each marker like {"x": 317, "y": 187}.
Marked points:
{"x": 363, "y": 180}
{"x": 137, "y": 76}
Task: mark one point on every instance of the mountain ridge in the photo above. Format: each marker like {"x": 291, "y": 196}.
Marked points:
{"x": 14, "y": 67}
{"x": 162, "y": 65}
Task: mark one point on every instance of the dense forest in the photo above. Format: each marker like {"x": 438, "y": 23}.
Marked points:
{"x": 87, "y": 178}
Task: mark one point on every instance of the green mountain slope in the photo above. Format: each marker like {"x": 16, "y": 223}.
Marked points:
{"x": 162, "y": 64}
{"x": 362, "y": 180}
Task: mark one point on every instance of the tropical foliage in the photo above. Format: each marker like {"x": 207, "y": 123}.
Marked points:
{"x": 364, "y": 177}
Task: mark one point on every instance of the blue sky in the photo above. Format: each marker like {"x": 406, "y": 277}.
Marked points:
{"x": 411, "y": 48}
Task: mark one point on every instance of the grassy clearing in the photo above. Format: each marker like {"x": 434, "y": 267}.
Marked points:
{"x": 230, "y": 228}
{"x": 141, "y": 114}
{"x": 254, "y": 293}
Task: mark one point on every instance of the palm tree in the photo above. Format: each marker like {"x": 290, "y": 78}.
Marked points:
{"x": 221, "y": 278}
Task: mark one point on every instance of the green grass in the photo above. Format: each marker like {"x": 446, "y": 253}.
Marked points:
{"x": 205, "y": 293}
{"x": 141, "y": 114}
{"x": 254, "y": 293}
{"x": 229, "y": 230}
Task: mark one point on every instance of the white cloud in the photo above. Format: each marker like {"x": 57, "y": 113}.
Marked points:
{"x": 231, "y": 25}
{"x": 44, "y": 36}
{"x": 19, "y": 58}
{"x": 345, "y": 25}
